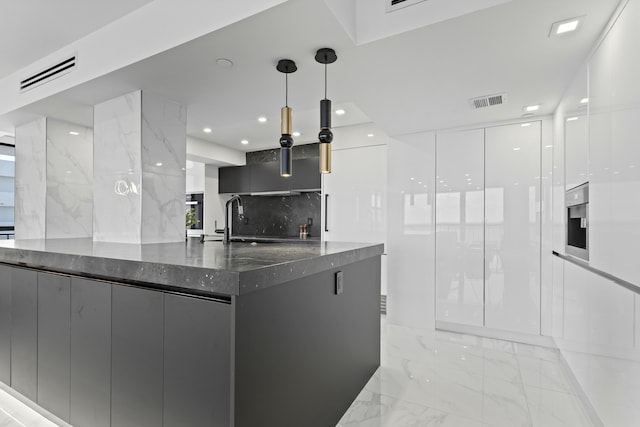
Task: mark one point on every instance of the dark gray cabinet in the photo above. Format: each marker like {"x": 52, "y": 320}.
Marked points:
{"x": 90, "y": 394}
{"x": 5, "y": 324}
{"x": 234, "y": 180}
{"x": 54, "y": 323}
{"x": 265, "y": 177}
{"x": 137, "y": 360}
{"x": 197, "y": 362}
{"x": 24, "y": 332}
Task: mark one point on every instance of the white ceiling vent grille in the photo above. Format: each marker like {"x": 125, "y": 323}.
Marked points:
{"x": 488, "y": 100}
{"x": 50, "y": 73}
{"x": 399, "y": 4}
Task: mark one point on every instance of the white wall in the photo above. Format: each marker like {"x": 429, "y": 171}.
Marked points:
{"x": 213, "y": 202}
{"x": 195, "y": 177}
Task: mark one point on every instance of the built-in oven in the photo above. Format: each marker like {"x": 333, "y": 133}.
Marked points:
{"x": 577, "y": 207}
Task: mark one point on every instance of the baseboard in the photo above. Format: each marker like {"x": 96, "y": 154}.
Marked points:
{"x": 481, "y": 331}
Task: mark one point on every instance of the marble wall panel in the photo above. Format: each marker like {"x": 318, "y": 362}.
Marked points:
{"x": 69, "y": 180}
{"x": 30, "y": 180}
{"x": 164, "y": 157}
{"x": 117, "y": 182}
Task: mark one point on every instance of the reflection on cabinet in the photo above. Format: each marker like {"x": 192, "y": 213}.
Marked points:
{"x": 24, "y": 332}
{"x": 488, "y": 227}
{"x": 576, "y": 140}
{"x": 5, "y": 324}
{"x": 54, "y": 305}
{"x": 136, "y": 351}
{"x": 512, "y": 228}
{"x": 90, "y": 397}
{"x": 460, "y": 266}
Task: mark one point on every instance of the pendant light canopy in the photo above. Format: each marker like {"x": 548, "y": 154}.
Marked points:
{"x": 325, "y": 56}
{"x": 287, "y": 67}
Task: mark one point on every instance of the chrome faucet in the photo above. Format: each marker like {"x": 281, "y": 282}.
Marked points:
{"x": 227, "y": 232}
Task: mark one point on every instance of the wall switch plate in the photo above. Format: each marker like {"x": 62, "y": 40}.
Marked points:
{"x": 309, "y": 222}
{"x": 339, "y": 283}
{"x": 246, "y": 220}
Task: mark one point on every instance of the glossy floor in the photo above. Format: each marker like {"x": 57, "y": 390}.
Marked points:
{"x": 440, "y": 379}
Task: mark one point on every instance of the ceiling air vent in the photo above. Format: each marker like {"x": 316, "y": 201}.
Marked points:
{"x": 488, "y": 100}
{"x": 53, "y": 72}
{"x": 399, "y": 4}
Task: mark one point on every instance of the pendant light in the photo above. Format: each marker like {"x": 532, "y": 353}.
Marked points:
{"x": 325, "y": 56}
{"x": 287, "y": 67}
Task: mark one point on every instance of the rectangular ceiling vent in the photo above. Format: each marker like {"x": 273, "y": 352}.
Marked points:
{"x": 50, "y": 73}
{"x": 399, "y": 4}
{"x": 488, "y": 100}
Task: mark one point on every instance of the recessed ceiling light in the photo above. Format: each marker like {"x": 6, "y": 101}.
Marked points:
{"x": 530, "y": 108}
{"x": 370, "y": 135}
{"x": 262, "y": 119}
{"x": 571, "y": 119}
{"x": 566, "y": 26}
{"x": 74, "y": 133}
{"x": 207, "y": 130}
{"x": 548, "y": 146}
{"x": 244, "y": 142}
{"x": 159, "y": 164}
{"x": 516, "y": 148}
{"x": 340, "y": 112}
{"x": 584, "y": 100}
{"x": 524, "y": 125}
{"x": 296, "y": 134}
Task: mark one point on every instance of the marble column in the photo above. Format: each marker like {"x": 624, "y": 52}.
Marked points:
{"x": 53, "y": 182}
{"x": 139, "y": 169}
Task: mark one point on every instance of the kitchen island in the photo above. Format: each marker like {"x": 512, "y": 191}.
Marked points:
{"x": 197, "y": 334}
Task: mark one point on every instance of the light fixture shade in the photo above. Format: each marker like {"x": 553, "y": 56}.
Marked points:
{"x": 286, "y": 164}
{"x": 325, "y": 158}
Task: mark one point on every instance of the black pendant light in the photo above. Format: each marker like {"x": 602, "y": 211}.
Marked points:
{"x": 325, "y": 56}
{"x": 287, "y": 67}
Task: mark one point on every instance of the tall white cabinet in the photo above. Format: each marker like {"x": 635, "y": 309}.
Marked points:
{"x": 488, "y": 229}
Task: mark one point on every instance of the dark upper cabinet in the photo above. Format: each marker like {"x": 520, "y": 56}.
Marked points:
{"x": 265, "y": 177}
{"x": 234, "y": 180}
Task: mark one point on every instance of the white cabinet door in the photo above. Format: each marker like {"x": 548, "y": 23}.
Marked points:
{"x": 354, "y": 196}
{"x": 512, "y": 228}
{"x": 460, "y": 227}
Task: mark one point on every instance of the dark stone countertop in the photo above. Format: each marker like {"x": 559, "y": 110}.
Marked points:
{"x": 209, "y": 268}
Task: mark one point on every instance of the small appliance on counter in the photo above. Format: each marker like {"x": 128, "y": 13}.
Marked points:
{"x": 577, "y": 236}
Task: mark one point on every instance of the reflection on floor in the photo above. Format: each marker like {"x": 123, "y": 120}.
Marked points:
{"x": 440, "y": 379}
{"x": 434, "y": 378}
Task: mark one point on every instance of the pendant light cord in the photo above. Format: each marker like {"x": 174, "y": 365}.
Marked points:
{"x": 325, "y": 80}
{"x": 286, "y": 90}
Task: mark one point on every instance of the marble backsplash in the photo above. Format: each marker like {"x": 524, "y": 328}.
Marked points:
{"x": 279, "y": 216}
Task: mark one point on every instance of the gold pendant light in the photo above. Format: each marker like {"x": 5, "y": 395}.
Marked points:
{"x": 287, "y": 67}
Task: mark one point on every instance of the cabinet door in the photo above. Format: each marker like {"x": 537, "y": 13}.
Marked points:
{"x": 512, "y": 228}
{"x": 234, "y": 180}
{"x": 306, "y": 175}
{"x": 197, "y": 362}
{"x": 90, "y": 400}
{"x": 460, "y": 266}
{"x": 24, "y": 332}
{"x": 136, "y": 379}
{"x": 54, "y": 307}
{"x": 5, "y": 324}
{"x": 354, "y": 202}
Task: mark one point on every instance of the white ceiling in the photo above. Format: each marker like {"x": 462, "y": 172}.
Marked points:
{"x": 415, "y": 81}
{"x": 32, "y": 29}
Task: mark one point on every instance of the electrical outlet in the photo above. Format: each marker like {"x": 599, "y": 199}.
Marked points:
{"x": 246, "y": 220}
{"x": 339, "y": 283}
{"x": 309, "y": 222}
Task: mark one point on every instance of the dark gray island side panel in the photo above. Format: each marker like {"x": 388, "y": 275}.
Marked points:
{"x": 54, "y": 324}
{"x": 137, "y": 365}
{"x": 197, "y": 362}
{"x": 24, "y": 332}
{"x": 5, "y": 324}
{"x": 304, "y": 353}
{"x": 90, "y": 399}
